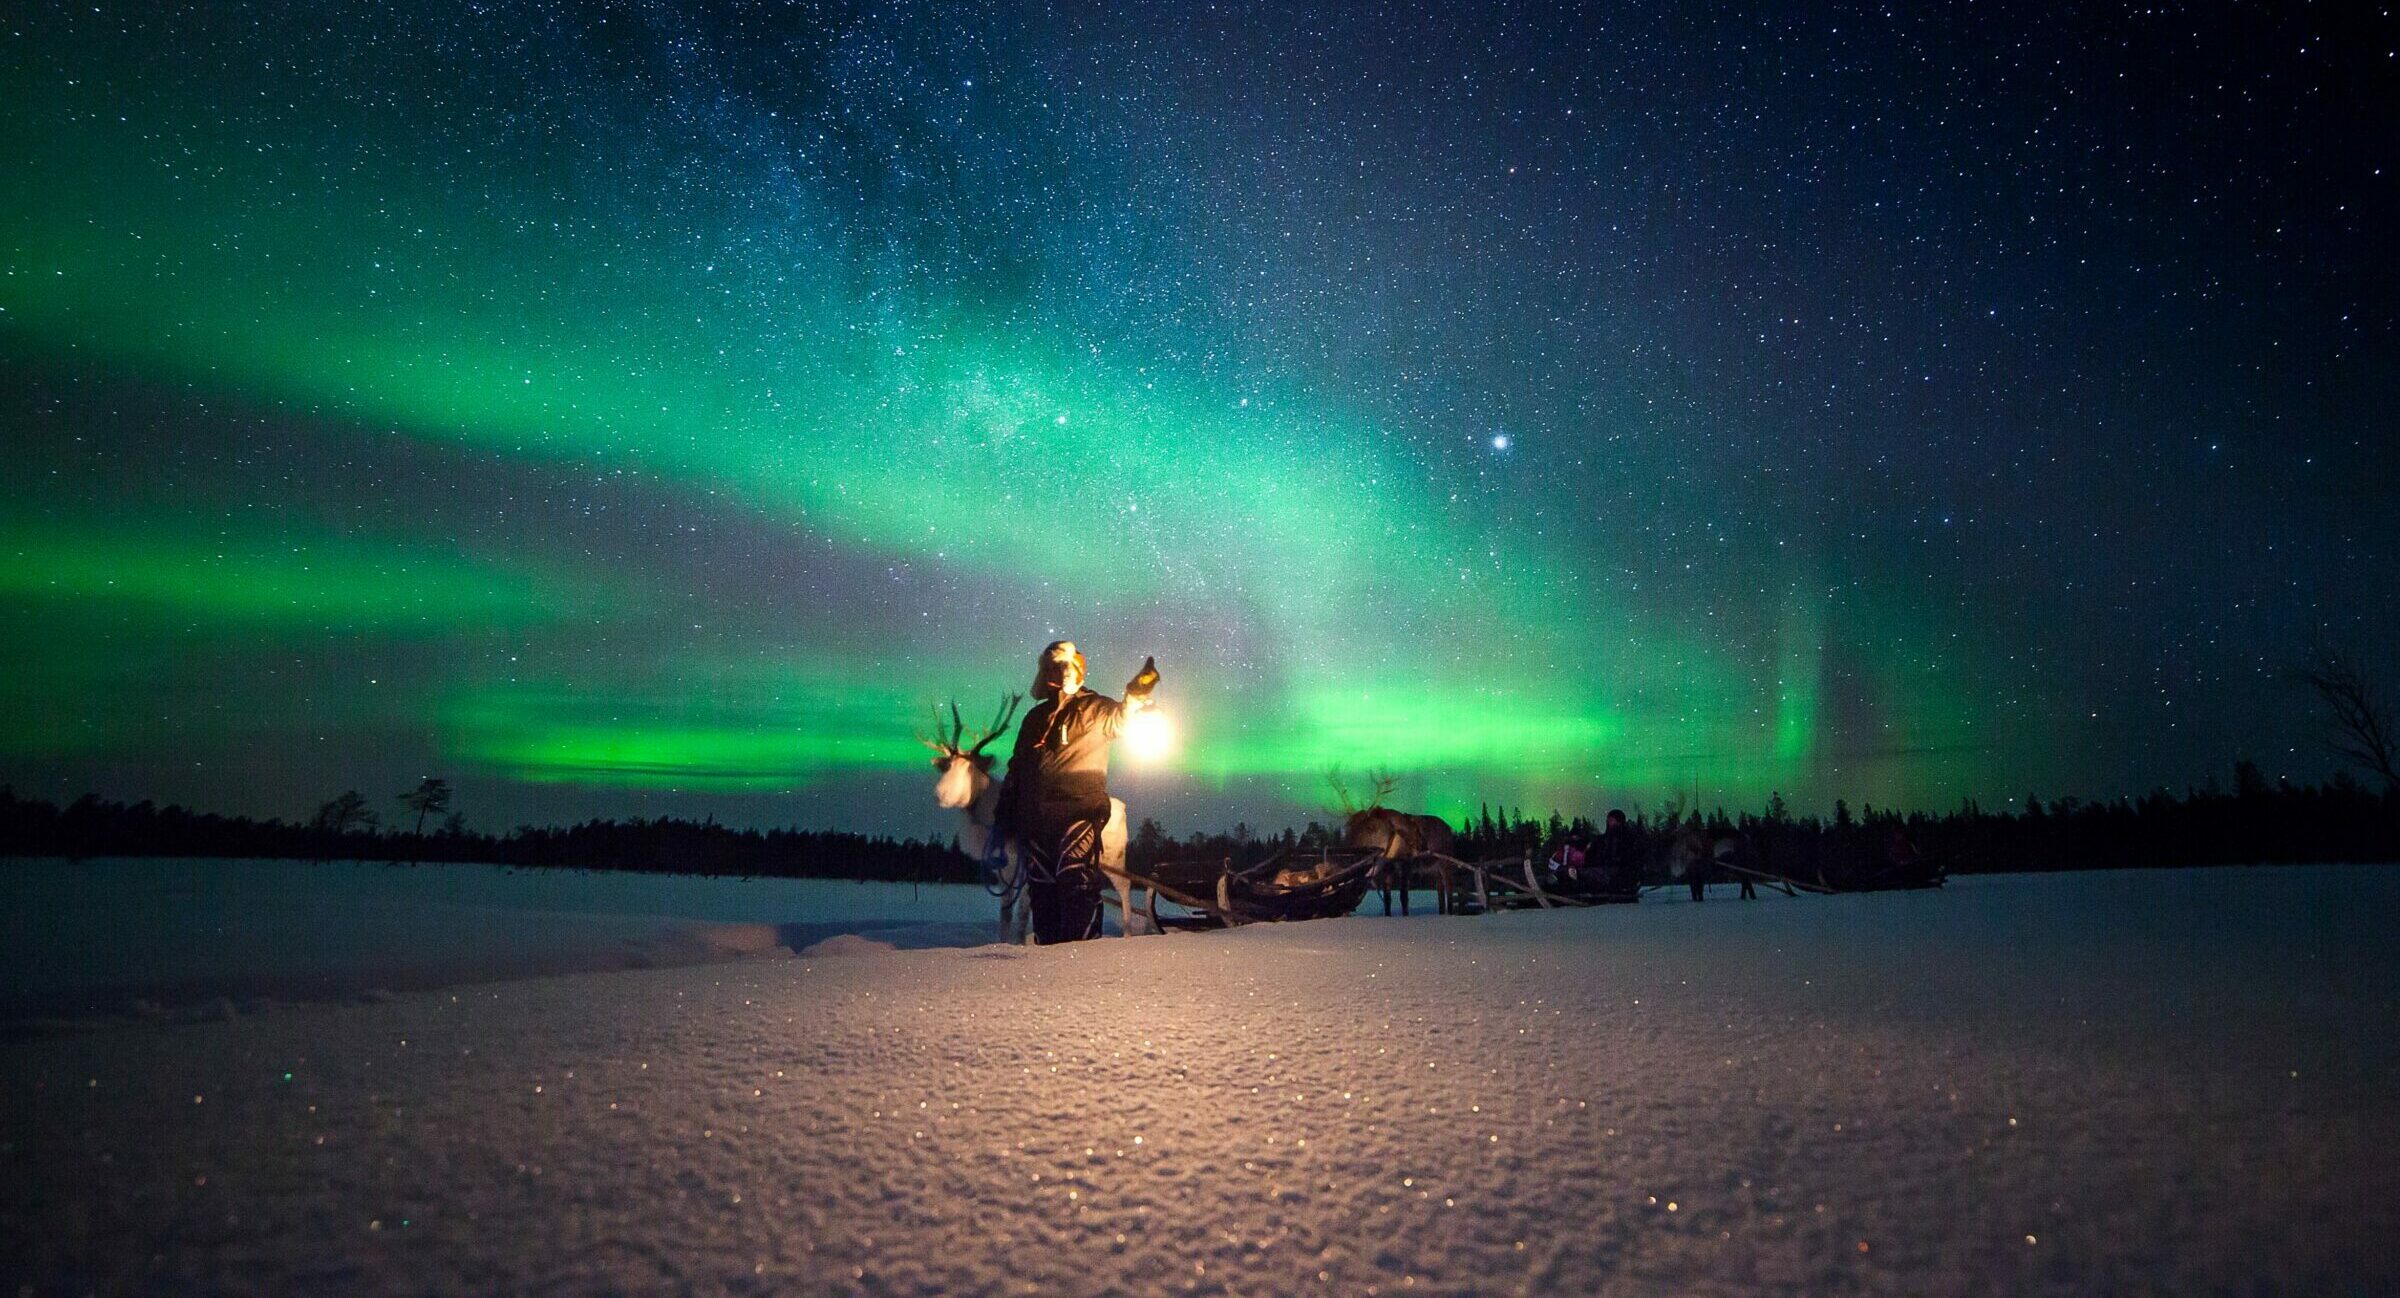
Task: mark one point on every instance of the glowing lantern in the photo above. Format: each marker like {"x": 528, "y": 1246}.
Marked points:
{"x": 1149, "y": 736}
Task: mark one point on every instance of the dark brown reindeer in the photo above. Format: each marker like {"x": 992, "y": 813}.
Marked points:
{"x": 965, "y": 785}
{"x": 1402, "y": 837}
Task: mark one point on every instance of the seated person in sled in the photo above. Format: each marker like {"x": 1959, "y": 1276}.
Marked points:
{"x": 1609, "y": 866}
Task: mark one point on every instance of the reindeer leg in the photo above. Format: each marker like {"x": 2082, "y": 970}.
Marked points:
{"x": 1017, "y": 908}
{"x": 1112, "y": 860}
{"x": 1008, "y": 906}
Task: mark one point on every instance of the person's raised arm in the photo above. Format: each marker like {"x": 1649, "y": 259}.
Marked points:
{"x": 1137, "y": 698}
{"x": 1138, "y": 690}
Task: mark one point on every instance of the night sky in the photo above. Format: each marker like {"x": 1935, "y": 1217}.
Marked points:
{"x": 650, "y": 408}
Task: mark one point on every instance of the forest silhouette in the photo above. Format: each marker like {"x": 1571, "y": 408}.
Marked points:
{"x": 2256, "y": 822}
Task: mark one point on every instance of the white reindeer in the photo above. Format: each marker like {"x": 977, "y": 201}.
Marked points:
{"x": 965, "y": 785}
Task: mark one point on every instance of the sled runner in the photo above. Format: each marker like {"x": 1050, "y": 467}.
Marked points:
{"x": 1520, "y": 883}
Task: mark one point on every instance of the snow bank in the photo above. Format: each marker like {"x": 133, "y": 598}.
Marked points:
{"x": 2087, "y": 1084}
{"x": 175, "y": 938}
{"x": 911, "y": 937}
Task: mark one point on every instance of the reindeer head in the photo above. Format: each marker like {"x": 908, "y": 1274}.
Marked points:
{"x": 966, "y": 770}
{"x": 1374, "y": 825}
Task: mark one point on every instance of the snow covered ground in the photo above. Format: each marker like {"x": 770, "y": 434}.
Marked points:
{"x": 201, "y": 937}
{"x": 2113, "y": 1083}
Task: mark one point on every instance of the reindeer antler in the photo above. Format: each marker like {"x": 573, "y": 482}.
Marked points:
{"x": 1385, "y": 784}
{"x": 1341, "y": 790}
{"x": 950, "y": 731}
{"x": 946, "y": 731}
{"x": 1000, "y": 720}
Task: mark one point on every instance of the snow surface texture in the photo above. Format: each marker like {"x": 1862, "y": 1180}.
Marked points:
{"x": 2091, "y": 1084}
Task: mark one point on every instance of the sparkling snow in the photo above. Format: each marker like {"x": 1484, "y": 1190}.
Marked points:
{"x": 2075, "y": 1084}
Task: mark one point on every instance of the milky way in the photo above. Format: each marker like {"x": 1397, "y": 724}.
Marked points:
{"x": 628, "y": 409}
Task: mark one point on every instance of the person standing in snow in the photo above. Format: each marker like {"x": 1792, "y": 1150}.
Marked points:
{"x": 1691, "y": 860}
{"x": 1055, "y": 799}
{"x": 1732, "y": 854}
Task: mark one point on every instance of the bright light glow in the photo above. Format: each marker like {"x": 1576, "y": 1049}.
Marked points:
{"x": 1499, "y": 441}
{"x": 1149, "y": 737}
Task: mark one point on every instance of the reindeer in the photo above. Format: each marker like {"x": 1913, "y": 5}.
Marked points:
{"x": 965, "y": 785}
{"x": 1401, "y": 837}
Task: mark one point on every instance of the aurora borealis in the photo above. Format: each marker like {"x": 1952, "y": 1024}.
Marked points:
{"x": 647, "y": 408}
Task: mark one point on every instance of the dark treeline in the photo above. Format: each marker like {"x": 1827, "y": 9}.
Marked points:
{"x": 90, "y": 827}
{"x": 2256, "y": 822}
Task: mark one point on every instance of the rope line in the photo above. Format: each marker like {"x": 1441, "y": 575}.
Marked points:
{"x": 994, "y": 866}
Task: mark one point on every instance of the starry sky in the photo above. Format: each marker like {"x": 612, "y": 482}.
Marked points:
{"x": 651, "y": 408}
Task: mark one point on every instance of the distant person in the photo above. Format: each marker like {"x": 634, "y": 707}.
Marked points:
{"x": 1728, "y": 854}
{"x": 1567, "y": 860}
{"x": 1617, "y": 858}
{"x": 1691, "y": 861}
{"x": 1055, "y": 799}
{"x": 1901, "y": 856}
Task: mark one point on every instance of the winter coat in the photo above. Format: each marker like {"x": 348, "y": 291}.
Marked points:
{"x": 1618, "y": 856}
{"x": 1058, "y": 773}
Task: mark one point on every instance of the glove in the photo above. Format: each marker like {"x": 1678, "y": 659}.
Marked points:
{"x": 1143, "y": 681}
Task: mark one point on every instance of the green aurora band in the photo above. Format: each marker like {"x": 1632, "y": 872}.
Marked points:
{"x": 1318, "y": 594}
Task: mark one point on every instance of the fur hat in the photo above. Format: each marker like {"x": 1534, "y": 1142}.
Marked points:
{"x": 1050, "y": 669}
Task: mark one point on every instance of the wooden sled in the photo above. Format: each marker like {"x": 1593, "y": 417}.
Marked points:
{"x": 1784, "y": 884}
{"x": 1292, "y": 886}
{"x": 1205, "y": 914}
{"x": 1511, "y": 883}
{"x": 1319, "y": 884}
